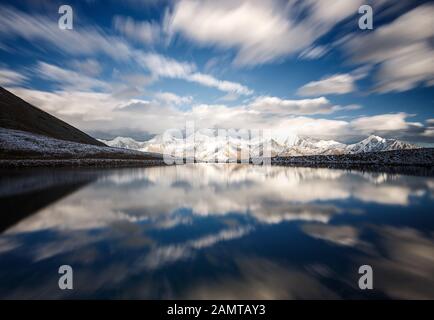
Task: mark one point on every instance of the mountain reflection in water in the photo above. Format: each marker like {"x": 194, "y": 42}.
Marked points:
{"x": 208, "y": 231}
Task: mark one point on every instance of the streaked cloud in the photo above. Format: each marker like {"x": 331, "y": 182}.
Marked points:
{"x": 295, "y": 107}
{"x": 403, "y": 49}
{"x": 278, "y": 31}
{"x": 142, "y": 31}
{"x": 41, "y": 29}
{"x": 93, "y": 111}
{"x": 10, "y": 78}
{"x": 429, "y": 131}
{"x": 68, "y": 79}
{"x": 335, "y": 84}
{"x": 313, "y": 52}
{"x": 171, "y": 98}
{"x": 340, "y": 235}
{"x": 162, "y": 66}
{"x": 385, "y": 122}
{"x": 89, "y": 67}
{"x": 92, "y": 41}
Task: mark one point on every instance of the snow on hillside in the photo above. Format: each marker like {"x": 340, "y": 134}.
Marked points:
{"x": 14, "y": 143}
{"x": 208, "y": 147}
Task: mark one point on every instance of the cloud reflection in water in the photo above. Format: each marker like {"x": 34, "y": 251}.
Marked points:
{"x": 229, "y": 231}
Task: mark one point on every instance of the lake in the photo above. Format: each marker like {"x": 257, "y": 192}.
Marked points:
{"x": 215, "y": 231}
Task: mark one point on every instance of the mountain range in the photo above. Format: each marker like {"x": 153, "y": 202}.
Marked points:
{"x": 208, "y": 147}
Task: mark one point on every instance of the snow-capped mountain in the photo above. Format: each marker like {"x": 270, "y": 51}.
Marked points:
{"x": 311, "y": 146}
{"x": 376, "y": 143}
{"x": 124, "y": 142}
{"x": 207, "y": 147}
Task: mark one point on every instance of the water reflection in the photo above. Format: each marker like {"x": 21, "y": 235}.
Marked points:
{"x": 219, "y": 231}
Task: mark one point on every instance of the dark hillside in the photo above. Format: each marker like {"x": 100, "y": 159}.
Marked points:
{"x": 17, "y": 114}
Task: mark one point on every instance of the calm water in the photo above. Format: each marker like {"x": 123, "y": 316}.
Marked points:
{"x": 216, "y": 231}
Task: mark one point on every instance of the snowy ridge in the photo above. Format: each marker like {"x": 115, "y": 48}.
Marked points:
{"x": 375, "y": 144}
{"x": 207, "y": 147}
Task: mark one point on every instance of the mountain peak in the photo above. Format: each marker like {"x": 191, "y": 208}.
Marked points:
{"x": 373, "y": 137}
{"x": 123, "y": 142}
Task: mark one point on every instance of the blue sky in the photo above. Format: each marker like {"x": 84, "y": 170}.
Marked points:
{"x": 139, "y": 67}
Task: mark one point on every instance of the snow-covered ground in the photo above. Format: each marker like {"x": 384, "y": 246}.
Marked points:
{"x": 20, "y": 144}
{"x": 417, "y": 157}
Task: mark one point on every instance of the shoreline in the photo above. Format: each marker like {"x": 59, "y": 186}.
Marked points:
{"x": 426, "y": 170}
{"x": 74, "y": 163}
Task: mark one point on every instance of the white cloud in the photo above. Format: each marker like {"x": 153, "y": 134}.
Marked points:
{"x": 231, "y": 96}
{"x": 89, "y": 67}
{"x": 339, "y": 235}
{"x": 384, "y": 122}
{"x": 313, "y": 52}
{"x": 38, "y": 28}
{"x": 329, "y": 12}
{"x": 162, "y": 66}
{"x": 91, "y": 111}
{"x": 75, "y": 107}
{"x": 222, "y": 85}
{"x": 10, "y": 78}
{"x": 91, "y": 41}
{"x": 171, "y": 98}
{"x": 386, "y": 42}
{"x": 142, "y": 31}
{"x": 95, "y": 111}
{"x": 429, "y": 132}
{"x": 136, "y": 79}
{"x": 413, "y": 67}
{"x": 335, "y": 84}
{"x": 261, "y": 31}
{"x": 403, "y": 49}
{"x": 68, "y": 79}
{"x": 280, "y": 106}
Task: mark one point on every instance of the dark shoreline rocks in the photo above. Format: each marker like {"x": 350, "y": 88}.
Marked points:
{"x": 99, "y": 163}
{"x": 412, "y": 162}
